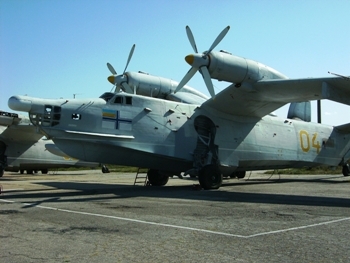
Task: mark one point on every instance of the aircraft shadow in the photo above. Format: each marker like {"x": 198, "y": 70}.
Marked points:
{"x": 86, "y": 192}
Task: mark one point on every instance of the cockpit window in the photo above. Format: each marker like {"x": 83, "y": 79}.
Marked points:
{"x": 123, "y": 100}
{"x": 118, "y": 100}
{"x": 128, "y": 100}
{"x": 107, "y": 96}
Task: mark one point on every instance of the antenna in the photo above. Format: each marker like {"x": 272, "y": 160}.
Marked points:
{"x": 74, "y": 94}
{"x": 338, "y": 75}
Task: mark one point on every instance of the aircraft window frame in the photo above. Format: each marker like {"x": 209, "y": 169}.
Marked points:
{"x": 46, "y": 118}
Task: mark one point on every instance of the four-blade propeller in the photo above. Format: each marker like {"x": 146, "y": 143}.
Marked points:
{"x": 200, "y": 61}
{"x": 120, "y": 81}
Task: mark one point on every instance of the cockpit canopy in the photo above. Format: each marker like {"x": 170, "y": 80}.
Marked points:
{"x": 112, "y": 98}
{"x": 107, "y": 96}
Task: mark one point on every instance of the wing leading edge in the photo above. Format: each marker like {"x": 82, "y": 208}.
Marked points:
{"x": 263, "y": 97}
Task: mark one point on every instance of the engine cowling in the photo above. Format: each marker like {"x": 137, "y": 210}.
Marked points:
{"x": 231, "y": 68}
{"x": 163, "y": 88}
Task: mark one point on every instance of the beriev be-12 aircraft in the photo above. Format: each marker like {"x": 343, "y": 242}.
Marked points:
{"x": 230, "y": 133}
{"x": 22, "y": 148}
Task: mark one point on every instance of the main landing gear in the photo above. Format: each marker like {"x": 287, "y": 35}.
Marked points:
{"x": 157, "y": 178}
{"x": 210, "y": 177}
{"x": 346, "y": 170}
{"x": 239, "y": 174}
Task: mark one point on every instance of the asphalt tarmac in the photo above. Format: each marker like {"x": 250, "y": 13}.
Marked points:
{"x": 87, "y": 216}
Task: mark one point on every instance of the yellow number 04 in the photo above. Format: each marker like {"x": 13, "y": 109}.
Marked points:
{"x": 305, "y": 141}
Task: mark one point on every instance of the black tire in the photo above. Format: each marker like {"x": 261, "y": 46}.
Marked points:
{"x": 346, "y": 170}
{"x": 241, "y": 174}
{"x": 21, "y": 171}
{"x": 1, "y": 171}
{"x": 157, "y": 178}
{"x": 44, "y": 171}
{"x": 30, "y": 171}
{"x": 105, "y": 169}
{"x": 210, "y": 177}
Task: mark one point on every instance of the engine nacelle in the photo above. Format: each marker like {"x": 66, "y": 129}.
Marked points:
{"x": 231, "y": 68}
{"x": 148, "y": 85}
{"x": 158, "y": 87}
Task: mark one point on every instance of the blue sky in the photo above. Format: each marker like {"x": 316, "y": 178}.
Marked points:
{"x": 54, "y": 49}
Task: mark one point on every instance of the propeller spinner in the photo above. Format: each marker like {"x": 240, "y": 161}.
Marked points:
{"x": 120, "y": 81}
{"x": 200, "y": 61}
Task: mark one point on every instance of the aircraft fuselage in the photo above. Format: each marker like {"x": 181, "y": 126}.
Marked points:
{"x": 175, "y": 137}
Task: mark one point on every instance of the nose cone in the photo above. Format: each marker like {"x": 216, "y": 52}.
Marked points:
{"x": 111, "y": 79}
{"x": 189, "y": 59}
{"x": 20, "y": 103}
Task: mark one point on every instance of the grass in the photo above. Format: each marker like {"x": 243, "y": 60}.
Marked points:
{"x": 308, "y": 170}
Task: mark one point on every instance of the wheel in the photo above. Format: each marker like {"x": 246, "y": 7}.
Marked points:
{"x": 44, "y": 171}
{"x": 346, "y": 170}
{"x": 157, "y": 178}
{"x": 29, "y": 171}
{"x": 210, "y": 177}
{"x": 105, "y": 169}
{"x": 21, "y": 171}
{"x": 239, "y": 175}
{"x": 1, "y": 172}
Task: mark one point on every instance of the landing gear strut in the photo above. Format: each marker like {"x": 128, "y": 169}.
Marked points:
{"x": 157, "y": 178}
{"x": 210, "y": 177}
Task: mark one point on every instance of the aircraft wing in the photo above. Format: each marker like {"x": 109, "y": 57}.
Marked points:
{"x": 20, "y": 133}
{"x": 263, "y": 97}
{"x": 15, "y": 128}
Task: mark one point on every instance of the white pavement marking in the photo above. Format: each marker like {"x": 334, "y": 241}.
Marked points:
{"x": 181, "y": 227}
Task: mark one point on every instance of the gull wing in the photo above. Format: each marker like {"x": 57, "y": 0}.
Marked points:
{"x": 263, "y": 97}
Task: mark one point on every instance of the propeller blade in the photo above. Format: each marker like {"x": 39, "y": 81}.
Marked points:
{"x": 111, "y": 69}
{"x": 191, "y": 39}
{"x": 186, "y": 79}
{"x": 129, "y": 58}
{"x": 207, "y": 79}
{"x": 117, "y": 88}
{"x": 127, "y": 87}
{"x": 219, "y": 38}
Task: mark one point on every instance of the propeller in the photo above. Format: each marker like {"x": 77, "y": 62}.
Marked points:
{"x": 121, "y": 80}
{"x": 200, "y": 61}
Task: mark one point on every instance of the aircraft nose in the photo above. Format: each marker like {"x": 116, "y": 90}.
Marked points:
{"x": 19, "y": 103}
